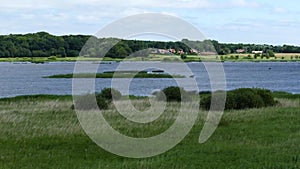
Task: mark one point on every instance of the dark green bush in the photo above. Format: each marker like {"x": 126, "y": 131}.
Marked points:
{"x": 230, "y": 101}
{"x": 240, "y": 99}
{"x": 217, "y": 100}
{"x": 267, "y": 97}
{"x": 111, "y": 94}
{"x": 102, "y": 102}
{"x": 247, "y": 98}
{"x": 173, "y": 94}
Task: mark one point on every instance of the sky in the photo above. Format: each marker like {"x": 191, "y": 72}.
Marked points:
{"x": 228, "y": 21}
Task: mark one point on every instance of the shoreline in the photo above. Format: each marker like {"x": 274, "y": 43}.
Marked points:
{"x": 109, "y": 61}
{"x": 162, "y": 58}
{"x": 276, "y": 94}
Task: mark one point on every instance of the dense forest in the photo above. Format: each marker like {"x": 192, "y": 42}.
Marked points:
{"x": 43, "y": 44}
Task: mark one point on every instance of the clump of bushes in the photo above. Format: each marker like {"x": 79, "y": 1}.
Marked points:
{"x": 243, "y": 98}
{"x": 173, "y": 94}
{"x": 103, "y": 99}
{"x": 111, "y": 94}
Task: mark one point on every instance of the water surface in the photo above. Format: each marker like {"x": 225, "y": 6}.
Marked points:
{"x": 27, "y": 78}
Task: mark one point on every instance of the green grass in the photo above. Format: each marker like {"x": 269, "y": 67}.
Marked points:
{"x": 285, "y": 95}
{"x": 279, "y": 57}
{"x": 116, "y": 75}
{"x": 43, "y": 132}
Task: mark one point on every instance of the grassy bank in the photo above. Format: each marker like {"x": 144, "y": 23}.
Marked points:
{"x": 43, "y": 132}
{"x": 279, "y": 57}
{"x": 116, "y": 75}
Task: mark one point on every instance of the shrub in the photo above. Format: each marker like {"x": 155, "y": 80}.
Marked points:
{"x": 173, "y": 93}
{"x": 247, "y": 98}
{"x": 183, "y": 56}
{"x": 267, "y": 96}
{"x": 218, "y": 101}
{"x": 241, "y": 99}
{"x": 256, "y": 55}
{"x": 102, "y": 102}
{"x": 230, "y": 101}
{"x": 111, "y": 94}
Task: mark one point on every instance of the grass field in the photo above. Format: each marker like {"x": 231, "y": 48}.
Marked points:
{"x": 43, "y": 132}
{"x": 279, "y": 57}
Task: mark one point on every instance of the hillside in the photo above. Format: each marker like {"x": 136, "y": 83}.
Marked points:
{"x": 43, "y": 44}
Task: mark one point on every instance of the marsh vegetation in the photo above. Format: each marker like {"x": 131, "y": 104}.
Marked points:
{"x": 43, "y": 132}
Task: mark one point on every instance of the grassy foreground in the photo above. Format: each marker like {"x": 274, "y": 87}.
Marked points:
{"x": 43, "y": 132}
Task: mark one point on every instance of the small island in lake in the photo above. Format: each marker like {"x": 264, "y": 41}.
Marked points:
{"x": 118, "y": 74}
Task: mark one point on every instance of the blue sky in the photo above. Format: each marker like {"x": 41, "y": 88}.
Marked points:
{"x": 245, "y": 21}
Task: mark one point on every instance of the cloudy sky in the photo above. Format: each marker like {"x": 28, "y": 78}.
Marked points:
{"x": 247, "y": 21}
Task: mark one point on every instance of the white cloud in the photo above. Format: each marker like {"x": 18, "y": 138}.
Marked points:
{"x": 148, "y": 3}
{"x": 88, "y": 16}
{"x": 279, "y": 10}
{"x": 244, "y": 3}
{"x": 30, "y": 4}
{"x": 178, "y": 4}
{"x": 133, "y": 11}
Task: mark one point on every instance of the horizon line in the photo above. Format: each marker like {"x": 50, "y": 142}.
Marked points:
{"x": 161, "y": 40}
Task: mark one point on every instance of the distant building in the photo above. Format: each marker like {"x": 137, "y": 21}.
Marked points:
{"x": 208, "y": 53}
{"x": 180, "y": 51}
{"x": 154, "y": 51}
{"x": 163, "y": 51}
{"x": 159, "y": 51}
{"x": 193, "y": 51}
{"x": 240, "y": 51}
{"x": 166, "y": 51}
{"x": 257, "y": 52}
{"x": 172, "y": 50}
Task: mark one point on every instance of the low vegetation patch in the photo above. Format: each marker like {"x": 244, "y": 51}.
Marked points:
{"x": 111, "y": 94}
{"x": 126, "y": 74}
{"x": 173, "y": 94}
{"x": 103, "y": 99}
{"x": 285, "y": 95}
{"x": 243, "y": 98}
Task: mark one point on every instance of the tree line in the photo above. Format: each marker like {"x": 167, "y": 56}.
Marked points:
{"x": 43, "y": 44}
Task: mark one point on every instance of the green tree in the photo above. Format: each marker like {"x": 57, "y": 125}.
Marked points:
{"x": 183, "y": 56}
{"x": 270, "y": 53}
{"x": 121, "y": 52}
{"x": 61, "y": 52}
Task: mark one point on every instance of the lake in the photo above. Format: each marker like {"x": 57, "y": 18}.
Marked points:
{"x": 27, "y": 78}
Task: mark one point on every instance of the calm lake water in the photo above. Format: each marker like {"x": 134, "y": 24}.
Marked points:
{"x": 27, "y": 78}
